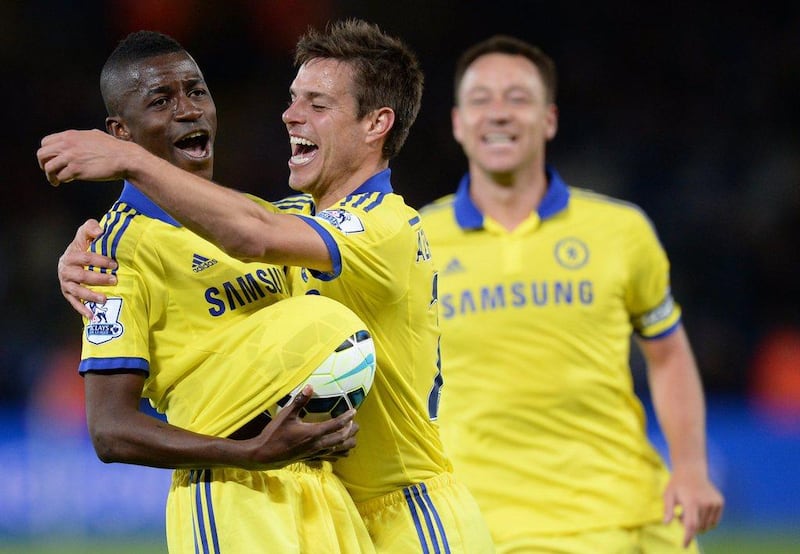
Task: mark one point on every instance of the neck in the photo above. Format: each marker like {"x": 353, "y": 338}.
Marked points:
{"x": 508, "y": 198}
{"x": 326, "y": 197}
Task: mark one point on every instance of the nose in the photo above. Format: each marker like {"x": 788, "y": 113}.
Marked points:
{"x": 186, "y": 109}
{"x": 499, "y": 111}
{"x": 291, "y": 114}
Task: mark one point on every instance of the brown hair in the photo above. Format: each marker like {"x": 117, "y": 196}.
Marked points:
{"x": 503, "y": 44}
{"x": 386, "y": 72}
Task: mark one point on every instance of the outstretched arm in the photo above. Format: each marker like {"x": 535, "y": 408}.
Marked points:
{"x": 222, "y": 215}
{"x": 680, "y": 407}
{"x": 122, "y": 433}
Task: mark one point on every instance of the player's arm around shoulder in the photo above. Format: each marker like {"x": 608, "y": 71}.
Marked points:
{"x": 261, "y": 232}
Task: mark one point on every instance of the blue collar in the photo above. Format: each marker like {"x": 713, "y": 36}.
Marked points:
{"x": 469, "y": 216}
{"x": 142, "y": 204}
{"x": 380, "y": 182}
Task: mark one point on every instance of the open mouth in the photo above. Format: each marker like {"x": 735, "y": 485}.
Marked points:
{"x": 303, "y": 150}
{"x": 499, "y": 138}
{"x": 195, "y": 145}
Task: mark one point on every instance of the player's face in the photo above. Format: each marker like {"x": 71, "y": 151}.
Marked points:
{"x": 327, "y": 140}
{"x": 503, "y": 119}
{"x": 168, "y": 110}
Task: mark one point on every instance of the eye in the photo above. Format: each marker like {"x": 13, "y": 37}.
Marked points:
{"x": 198, "y": 92}
{"x": 519, "y": 99}
{"x": 478, "y": 100}
{"x": 159, "y": 102}
{"x": 318, "y": 107}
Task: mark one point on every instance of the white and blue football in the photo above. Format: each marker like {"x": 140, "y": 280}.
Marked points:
{"x": 340, "y": 382}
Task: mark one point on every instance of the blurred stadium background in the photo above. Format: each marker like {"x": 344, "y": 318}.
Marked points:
{"x": 688, "y": 110}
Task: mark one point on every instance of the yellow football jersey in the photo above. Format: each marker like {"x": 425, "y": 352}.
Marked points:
{"x": 383, "y": 271}
{"x": 204, "y": 327}
{"x": 538, "y": 412}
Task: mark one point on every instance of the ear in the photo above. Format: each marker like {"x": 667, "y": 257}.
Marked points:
{"x": 551, "y": 120}
{"x": 381, "y": 122}
{"x": 456, "y": 122}
{"x": 117, "y": 128}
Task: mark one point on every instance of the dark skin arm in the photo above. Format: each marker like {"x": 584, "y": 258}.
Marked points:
{"x": 122, "y": 433}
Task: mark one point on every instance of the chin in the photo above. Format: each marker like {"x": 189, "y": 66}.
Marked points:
{"x": 298, "y": 184}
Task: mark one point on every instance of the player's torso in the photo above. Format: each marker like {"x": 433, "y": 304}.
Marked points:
{"x": 388, "y": 278}
{"x": 535, "y": 346}
{"x": 551, "y": 291}
{"x": 174, "y": 290}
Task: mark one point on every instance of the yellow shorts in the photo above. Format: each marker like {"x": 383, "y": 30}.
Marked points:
{"x": 301, "y": 509}
{"x": 653, "y": 538}
{"x": 436, "y": 516}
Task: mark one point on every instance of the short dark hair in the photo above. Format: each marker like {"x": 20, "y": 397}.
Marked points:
{"x": 386, "y": 72}
{"x": 137, "y": 46}
{"x": 504, "y": 44}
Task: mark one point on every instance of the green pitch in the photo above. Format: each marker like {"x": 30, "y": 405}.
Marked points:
{"x": 718, "y": 542}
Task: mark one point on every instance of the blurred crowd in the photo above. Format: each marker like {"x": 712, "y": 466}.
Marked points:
{"x": 688, "y": 112}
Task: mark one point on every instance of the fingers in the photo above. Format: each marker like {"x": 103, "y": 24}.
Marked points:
{"x": 87, "y": 232}
{"x": 339, "y": 432}
{"x": 299, "y": 401}
{"x": 74, "y": 278}
{"x": 714, "y": 516}
{"x": 709, "y": 517}
{"x": 697, "y": 514}
{"x": 79, "y": 306}
{"x": 669, "y": 506}
{"x": 689, "y": 518}
{"x": 72, "y": 267}
{"x": 54, "y": 167}
{"x": 52, "y": 160}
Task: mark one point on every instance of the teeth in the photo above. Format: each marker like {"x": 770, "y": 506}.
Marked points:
{"x": 497, "y": 138}
{"x": 300, "y": 140}
{"x": 193, "y": 135}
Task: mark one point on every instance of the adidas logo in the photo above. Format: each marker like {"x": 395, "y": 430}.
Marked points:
{"x": 200, "y": 263}
{"x": 454, "y": 266}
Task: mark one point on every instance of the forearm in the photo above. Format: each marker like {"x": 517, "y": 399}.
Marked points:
{"x": 680, "y": 408}
{"x": 679, "y": 404}
{"x": 220, "y": 214}
{"x": 145, "y": 440}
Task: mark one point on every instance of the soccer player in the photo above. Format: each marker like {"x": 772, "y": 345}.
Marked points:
{"x": 211, "y": 341}
{"x": 355, "y": 96}
{"x": 541, "y": 287}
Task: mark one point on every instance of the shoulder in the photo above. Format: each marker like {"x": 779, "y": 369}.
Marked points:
{"x": 439, "y": 221}
{"x": 296, "y": 203}
{"x": 376, "y": 211}
{"x": 608, "y": 208}
{"x": 129, "y": 235}
{"x": 123, "y": 228}
{"x": 441, "y": 207}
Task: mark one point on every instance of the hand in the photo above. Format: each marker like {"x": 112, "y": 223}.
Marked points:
{"x": 701, "y": 503}
{"x": 87, "y": 155}
{"x": 72, "y": 272}
{"x": 287, "y": 438}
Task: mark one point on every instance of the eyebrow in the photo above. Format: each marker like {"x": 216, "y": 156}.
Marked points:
{"x": 161, "y": 89}
{"x": 312, "y": 95}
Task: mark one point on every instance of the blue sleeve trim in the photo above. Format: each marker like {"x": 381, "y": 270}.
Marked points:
{"x": 114, "y": 364}
{"x": 333, "y": 251}
{"x": 662, "y": 334}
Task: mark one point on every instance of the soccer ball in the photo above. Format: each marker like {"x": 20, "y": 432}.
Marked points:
{"x": 340, "y": 382}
